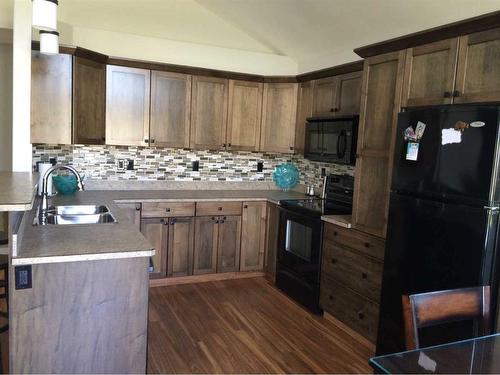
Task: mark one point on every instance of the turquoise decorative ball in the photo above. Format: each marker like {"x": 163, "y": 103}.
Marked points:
{"x": 286, "y": 176}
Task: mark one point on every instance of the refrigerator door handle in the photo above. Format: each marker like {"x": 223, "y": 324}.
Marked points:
{"x": 492, "y": 208}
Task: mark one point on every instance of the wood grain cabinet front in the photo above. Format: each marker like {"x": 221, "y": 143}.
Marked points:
{"x": 304, "y": 110}
{"x": 51, "y": 98}
{"x": 253, "y": 236}
{"x": 127, "y": 106}
{"x": 168, "y": 209}
{"x": 133, "y": 212}
{"x": 205, "y": 244}
{"x": 218, "y": 208}
{"x": 180, "y": 246}
{"x": 156, "y": 232}
{"x": 228, "y": 247}
{"x": 325, "y": 96}
{"x": 273, "y": 221}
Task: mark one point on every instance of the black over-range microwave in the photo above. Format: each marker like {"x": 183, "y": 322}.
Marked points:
{"x": 332, "y": 140}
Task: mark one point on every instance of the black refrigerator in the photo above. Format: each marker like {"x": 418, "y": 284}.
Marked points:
{"x": 443, "y": 215}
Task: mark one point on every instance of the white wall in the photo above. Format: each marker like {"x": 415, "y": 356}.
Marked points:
{"x": 5, "y": 106}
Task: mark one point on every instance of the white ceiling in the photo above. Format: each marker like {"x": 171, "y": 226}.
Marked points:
{"x": 313, "y": 33}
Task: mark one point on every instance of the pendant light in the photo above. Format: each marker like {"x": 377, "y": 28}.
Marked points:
{"x": 45, "y": 14}
{"x": 49, "y": 42}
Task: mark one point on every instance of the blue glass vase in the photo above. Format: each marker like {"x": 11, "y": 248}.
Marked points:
{"x": 286, "y": 176}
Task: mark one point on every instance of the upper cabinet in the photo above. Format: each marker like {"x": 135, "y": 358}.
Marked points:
{"x": 127, "y": 106}
{"x": 170, "y": 109}
{"x": 380, "y": 104}
{"x": 209, "y": 113}
{"x": 430, "y": 73}
{"x": 89, "y": 100}
{"x": 457, "y": 70}
{"x": 324, "y": 97}
{"x": 478, "y": 71}
{"x": 244, "y": 115}
{"x": 279, "y": 111}
{"x": 304, "y": 110}
{"x": 51, "y": 86}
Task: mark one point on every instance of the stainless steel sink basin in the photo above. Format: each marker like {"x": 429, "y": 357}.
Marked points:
{"x": 106, "y": 218}
{"x": 73, "y": 215}
{"x": 77, "y": 210}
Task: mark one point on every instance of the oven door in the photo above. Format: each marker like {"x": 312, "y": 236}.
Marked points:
{"x": 299, "y": 248}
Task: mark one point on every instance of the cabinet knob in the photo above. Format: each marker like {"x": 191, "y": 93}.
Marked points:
{"x": 330, "y": 297}
{"x": 447, "y": 94}
{"x": 167, "y": 209}
{"x": 364, "y": 275}
{"x": 332, "y": 109}
{"x": 137, "y": 208}
{"x": 216, "y": 221}
{"x": 335, "y": 110}
{"x": 334, "y": 260}
{"x": 367, "y": 245}
{"x": 224, "y": 145}
{"x": 335, "y": 233}
{"x": 456, "y": 93}
{"x": 146, "y": 141}
{"x": 213, "y": 218}
{"x": 361, "y": 315}
{"x": 245, "y": 206}
{"x": 229, "y": 145}
{"x": 219, "y": 208}
{"x": 152, "y": 141}
{"x": 172, "y": 222}
{"x": 291, "y": 148}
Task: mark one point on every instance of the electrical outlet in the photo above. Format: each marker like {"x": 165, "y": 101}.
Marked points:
{"x": 130, "y": 164}
{"x": 323, "y": 172}
{"x": 195, "y": 165}
{"x": 23, "y": 277}
{"x": 260, "y": 166}
{"x": 121, "y": 164}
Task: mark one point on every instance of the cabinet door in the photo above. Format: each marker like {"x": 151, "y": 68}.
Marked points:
{"x": 89, "y": 101}
{"x": 244, "y": 115}
{"x": 133, "y": 212}
{"x": 51, "y": 77}
{"x": 205, "y": 245}
{"x": 273, "y": 220}
{"x": 127, "y": 106}
{"x": 155, "y": 231}
{"x": 478, "y": 73}
{"x": 209, "y": 113}
{"x": 304, "y": 110}
{"x": 253, "y": 236}
{"x": 429, "y": 75}
{"x": 170, "y": 109}
{"x": 324, "y": 97}
{"x": 228, "y": 251}
{"x": 380, "y": 104}
{"x": 180, "y": 246}
{"x": 279, "y": 112}
{"x": 348, "y": 93}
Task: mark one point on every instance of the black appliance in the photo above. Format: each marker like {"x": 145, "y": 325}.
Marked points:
{"x": 300, "y": 236}
{"x": 443, "y": 215}
{"x": 331, "y": 140}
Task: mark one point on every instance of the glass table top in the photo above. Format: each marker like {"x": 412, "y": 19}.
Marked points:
{"x": 474, "y": 356}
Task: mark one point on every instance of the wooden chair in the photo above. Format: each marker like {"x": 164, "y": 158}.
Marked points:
{"x": 434, "y": 308}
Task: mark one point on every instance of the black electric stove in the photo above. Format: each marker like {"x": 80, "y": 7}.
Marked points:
{"x": 300, "y": 239}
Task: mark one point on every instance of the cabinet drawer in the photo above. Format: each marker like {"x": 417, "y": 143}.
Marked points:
{"x": 166, "y": 209}
{"x": 350, "y": 308}
{"x": 354, "y": 239}
{"x": 352, "y": 269}
{"x": 218, "y": 208}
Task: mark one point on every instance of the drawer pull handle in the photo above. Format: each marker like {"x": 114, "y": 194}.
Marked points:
{"x": 224, "y": 218}
{"x": 361, "y": 315}
{"x": 167, "y": 209}
{"x": 334, "y": 260}
{"x": 245, "y": 206}
{"x": 364, "y": 275}
{"x": 367, "y": 244}
{"x": 219, "y": 208}
{"x": 213, "y": 218}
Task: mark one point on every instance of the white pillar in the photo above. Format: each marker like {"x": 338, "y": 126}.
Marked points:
{"x": 21, "y": 87}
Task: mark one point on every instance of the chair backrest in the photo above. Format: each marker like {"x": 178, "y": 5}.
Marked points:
{"x": 446, "y": 306}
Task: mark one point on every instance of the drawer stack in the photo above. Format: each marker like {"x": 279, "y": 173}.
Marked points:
{"x": 351, "y": 278}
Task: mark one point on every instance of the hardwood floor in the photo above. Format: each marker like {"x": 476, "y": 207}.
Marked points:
{"x": 245, "y": 326}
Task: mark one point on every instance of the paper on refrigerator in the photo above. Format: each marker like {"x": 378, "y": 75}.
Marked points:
{"x": 450, "y": 136}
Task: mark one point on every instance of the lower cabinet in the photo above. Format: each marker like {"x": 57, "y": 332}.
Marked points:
{"x": 155, "y": 231}
{"x": 253, "y": 236}
{"x": 133, "y": 212}
{"x": 273, "y": 221}
{"x": 216, "y": 244}
{"x": 351, "y": 278}
{"x": 180, "y": 246}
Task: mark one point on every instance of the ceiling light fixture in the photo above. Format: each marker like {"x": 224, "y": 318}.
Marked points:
{"x": 49, "y": 42}
{"x": 45, "y": 14}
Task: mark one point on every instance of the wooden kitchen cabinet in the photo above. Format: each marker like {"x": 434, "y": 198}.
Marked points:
{"x": 279, "y": 110}
{"x": 325, "y": 96}
{"x": 170, "y": 109}
{"x": 429, "y": 76}
{"x": 51, "y": 100}
{"x": 133, "y": 212}
{"x": 348, "y": 93}
{"x": 208, "y": 113}
{"x": 228, "y": 249}
{"x": 205, "y": 245}
{"x": 273, "y": 221}
{"x": 89, "y": 101}
{"x": 478, "y": 70}
{"x": 380, "y": 104}
{"x": 127, "y": 106}
{"x": 253, "y": 236}
{"x": 180, "y": 246}
{"x": 155, "y": 231}
{"x": 244, "y": 115}
{"x": 304, "y": 110}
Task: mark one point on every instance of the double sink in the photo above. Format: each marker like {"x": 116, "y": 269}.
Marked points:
{"x": 77, "y": 214}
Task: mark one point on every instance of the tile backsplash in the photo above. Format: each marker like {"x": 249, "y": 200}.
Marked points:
{"x": 166, "y": 164}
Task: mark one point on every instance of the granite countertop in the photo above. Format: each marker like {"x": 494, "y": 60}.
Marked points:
{"x": 67, "y": 243}
{"x": 17, "y": 190}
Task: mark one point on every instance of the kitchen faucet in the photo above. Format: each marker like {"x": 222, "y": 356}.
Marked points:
{"x": 45, "y": 193}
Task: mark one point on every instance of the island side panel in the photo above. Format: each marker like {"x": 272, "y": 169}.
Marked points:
{"x": 81, "y": 317}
